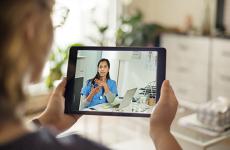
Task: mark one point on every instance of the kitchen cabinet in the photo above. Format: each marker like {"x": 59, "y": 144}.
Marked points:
{"x": 187, "y": 66}
{"x": 220, "y": 68}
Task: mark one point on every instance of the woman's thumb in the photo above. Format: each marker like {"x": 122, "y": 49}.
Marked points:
{"x": 165, "y": 88}
{"x": 61, "y": 87}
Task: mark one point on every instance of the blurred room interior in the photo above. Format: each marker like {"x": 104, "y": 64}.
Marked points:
{"x": 196, "y": 34}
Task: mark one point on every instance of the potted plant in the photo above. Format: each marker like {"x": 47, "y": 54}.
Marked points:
{"x": 134, "y": 32}
{"x": 58, "y": 60}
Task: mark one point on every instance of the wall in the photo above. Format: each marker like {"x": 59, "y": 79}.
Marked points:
{"x": 136, "y": 69}
{"x": 172, "y": 13}
{"x": 87, "y": 66}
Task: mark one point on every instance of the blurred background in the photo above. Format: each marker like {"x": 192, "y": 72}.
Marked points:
{"x": 196, "y": 34}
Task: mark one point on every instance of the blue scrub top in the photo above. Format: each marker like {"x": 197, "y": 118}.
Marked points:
{"x": 99, "y": 98}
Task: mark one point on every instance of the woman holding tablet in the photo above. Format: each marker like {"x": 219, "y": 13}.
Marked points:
{"x": 26, "y": 35}
{"x": 100, "y": 89}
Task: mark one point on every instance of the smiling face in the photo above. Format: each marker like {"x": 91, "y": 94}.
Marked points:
{"x": 103, "y": 69}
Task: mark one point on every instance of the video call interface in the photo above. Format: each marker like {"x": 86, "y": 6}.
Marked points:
{"x": 115, "y": 81}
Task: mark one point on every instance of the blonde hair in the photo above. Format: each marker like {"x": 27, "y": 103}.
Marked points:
{"x": 14, "y": 58}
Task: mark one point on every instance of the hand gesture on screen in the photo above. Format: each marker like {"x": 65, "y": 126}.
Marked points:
{"x": 95, "y": 90}
{"x": 102, "y": 84}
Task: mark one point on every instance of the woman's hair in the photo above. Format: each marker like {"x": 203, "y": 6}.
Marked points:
{"x": 97, "y": 76}
{"x": 15, "y": 56}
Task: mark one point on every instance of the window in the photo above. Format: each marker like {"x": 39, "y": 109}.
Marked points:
{"x": 79, "y": 26}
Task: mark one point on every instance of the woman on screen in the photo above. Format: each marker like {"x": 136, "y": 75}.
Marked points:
{"x": 100, "y": 89}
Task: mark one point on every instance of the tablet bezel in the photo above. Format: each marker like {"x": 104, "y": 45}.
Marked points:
{"x": 73, "y": 52}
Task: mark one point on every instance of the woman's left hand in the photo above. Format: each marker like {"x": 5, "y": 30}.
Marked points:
{"x": 54, "y": 115}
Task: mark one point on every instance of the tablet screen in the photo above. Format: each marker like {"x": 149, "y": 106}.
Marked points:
{"x": 114, "y": 81}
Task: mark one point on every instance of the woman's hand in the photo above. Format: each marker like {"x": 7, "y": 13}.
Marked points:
{"x": 54, "y": 116}
{"x": 102, "y": 84}
{"x": 165, "y": 110}
{"x": 95, "y": 90}
{"x": 162, "y": 117}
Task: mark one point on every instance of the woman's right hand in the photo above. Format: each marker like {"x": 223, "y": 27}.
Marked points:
{"x": 95, "y": 90}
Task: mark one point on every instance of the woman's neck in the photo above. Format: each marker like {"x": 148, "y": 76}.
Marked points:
{"x": 12, "y": 130}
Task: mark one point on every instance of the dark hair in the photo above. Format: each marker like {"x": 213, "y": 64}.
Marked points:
{"x": 97, "y": 76}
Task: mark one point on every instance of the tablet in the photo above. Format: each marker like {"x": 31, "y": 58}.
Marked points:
{"x": 117, "y": 81}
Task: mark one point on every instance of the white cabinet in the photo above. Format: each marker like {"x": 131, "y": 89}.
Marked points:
{"x": 187, "y": 66}
{"x": 221, "y": 68}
